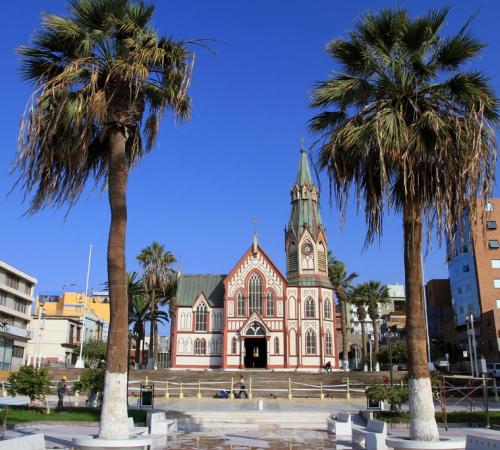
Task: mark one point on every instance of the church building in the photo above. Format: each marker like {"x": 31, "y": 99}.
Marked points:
{"x": 255, "y": 317}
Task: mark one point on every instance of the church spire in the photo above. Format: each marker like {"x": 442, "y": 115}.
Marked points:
{"x": 305, "y": 237}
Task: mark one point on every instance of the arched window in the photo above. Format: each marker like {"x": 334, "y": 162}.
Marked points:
{"x": 292, "y": 257}
{"x": 310, "y": 342}
{"x": 270, "y": 304}
{"x": 213, "y": 325}
{"x": 328, "y": 343}
{"x": 200, "y": 347}
{"x": 181, "y": 346}
{"x": 218, "y": 346}
{"x": 255, "y": 294}
{"x": 276, "y": 346}
{"x": 241, "y": 304}
{"x": 234, "y": 346}
{"x": 310, "y": 312}
{"x": 211, "y": 346}
{"x": 328, "y": 309}
{"x": 201, "y": 317}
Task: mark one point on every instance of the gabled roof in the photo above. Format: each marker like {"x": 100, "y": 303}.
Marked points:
{"x": 190, "y": 286}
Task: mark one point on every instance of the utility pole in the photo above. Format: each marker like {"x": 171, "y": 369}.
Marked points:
{"x": 79, "y": 363}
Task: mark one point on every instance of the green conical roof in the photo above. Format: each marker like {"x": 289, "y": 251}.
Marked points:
{"x": 303, "y": 175}
{"x": 305, "y": 209}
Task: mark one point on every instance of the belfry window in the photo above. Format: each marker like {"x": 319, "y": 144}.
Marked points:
{"x": 255, "y": 289}
{"x": 269, "y": 304}
{"x": 201, "y": 317}
{"x": 292, "y": 257}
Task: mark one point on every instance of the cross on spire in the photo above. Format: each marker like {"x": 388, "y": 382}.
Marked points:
{"x": 255, "y": 242}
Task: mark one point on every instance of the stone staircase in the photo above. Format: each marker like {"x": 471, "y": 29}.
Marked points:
{"x": 265, "y": 384}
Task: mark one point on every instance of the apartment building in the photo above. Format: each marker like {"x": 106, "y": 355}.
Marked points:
{"x": 16, "y": 299}
{"x": 474, "y": 269}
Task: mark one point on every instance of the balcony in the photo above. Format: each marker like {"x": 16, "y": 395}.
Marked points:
{"x": 15, "y": 331}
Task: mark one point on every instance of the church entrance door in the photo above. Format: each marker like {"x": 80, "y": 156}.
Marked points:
{"x": 255, "y": 353}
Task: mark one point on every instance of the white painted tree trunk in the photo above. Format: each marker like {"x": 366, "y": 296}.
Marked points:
{"x": 114, "y": 415}
{"x": 423, "y": 425}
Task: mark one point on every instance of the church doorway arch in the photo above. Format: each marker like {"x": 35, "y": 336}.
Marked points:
{"x": 255, "y": 347}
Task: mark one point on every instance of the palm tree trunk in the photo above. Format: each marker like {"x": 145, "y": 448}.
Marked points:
{"x": 114, "y": 422}
{"x": 155, "y": 354}
{"x": 152, "y": 332}
{"x": 363, "y": 340}
{"x": 422, "y": 419}
{"x": 345, "y": 342}
{"x": 375, "y": 335}
{"x": 137, "y": 356}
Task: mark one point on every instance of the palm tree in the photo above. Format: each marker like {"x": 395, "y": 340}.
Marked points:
{"x": 375, "y": 295}
{"x": 103, "y": 79}
{"x": 409, "y": 128}
{"x": 341, "y": 282}
{"x": 157, "y": 278}
{"x": 356, "y": 295}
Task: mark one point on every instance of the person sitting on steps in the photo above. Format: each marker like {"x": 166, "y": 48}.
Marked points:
{"x": 328, "y": 367}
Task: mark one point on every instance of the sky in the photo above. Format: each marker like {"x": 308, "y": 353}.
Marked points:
{"x": 199, "y": 189}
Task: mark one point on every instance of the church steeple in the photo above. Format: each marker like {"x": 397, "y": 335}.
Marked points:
{"x": 305, "y": 237}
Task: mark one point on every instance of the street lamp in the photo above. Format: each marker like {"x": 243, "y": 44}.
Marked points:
{"x": 389, "y": 337}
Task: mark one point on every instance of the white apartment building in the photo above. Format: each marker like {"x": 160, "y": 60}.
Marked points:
{"x": 16, "y": 299}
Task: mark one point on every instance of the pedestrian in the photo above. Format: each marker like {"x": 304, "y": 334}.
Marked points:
{"x": 62, "y": 390}
{"x": 328, "y": 367}
{"x": 243, "y": 389}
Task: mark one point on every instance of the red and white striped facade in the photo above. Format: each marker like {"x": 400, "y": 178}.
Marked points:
{"x": 257, "y": 318}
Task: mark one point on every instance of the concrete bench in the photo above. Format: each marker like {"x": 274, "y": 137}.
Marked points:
{"x": 372, "y": 436}
{"x": 135, "y": 431}
{"x": 481, "y": 443}
{"x": 28, "y": 442}
{"x": 341, "y": 425}
{"x": 159, "y": 424}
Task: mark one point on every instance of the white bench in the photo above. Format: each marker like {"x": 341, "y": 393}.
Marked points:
{"x": 135, "y": 431}
{"x": 28, "y": 442}
{"x": 373, "y": 436}
{"x": 481, "y": 443}
{"x": 159, "y": 424}
{"x": 341, "y": 425}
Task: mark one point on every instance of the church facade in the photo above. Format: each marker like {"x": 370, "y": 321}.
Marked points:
{"x": 255, "y": 317}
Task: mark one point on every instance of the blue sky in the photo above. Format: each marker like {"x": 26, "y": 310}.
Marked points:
{"x": 236, "y": 159}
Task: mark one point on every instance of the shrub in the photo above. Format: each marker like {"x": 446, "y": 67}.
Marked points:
{"x": 91, "y": 382}
{"x": 395, "y": 395}
{"x": 34, "y": 383}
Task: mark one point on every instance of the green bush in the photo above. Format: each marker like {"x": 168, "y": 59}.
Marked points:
{"x": 399, "y": 353}
{"x": 91, "y": 382}
{"x": 395, "y": 395}
{"x": 31, "y": 382}
{"x": 93, "y": 350}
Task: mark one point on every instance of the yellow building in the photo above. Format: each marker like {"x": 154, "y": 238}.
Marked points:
{"x": 72, "y": 304}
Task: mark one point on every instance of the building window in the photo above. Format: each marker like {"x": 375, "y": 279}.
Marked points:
{"x": 488, "y": 206}
{"x": 18, "y": 352}
{"x": 466, "y": 268}
{"x": 276, "y": 346}
{"x": 498, "y": 303}
{"x": 241, "y": 304}
{"x": 78, "y": 332}
{"x": 12, "y": 281}
{"x": 3, "y": 298}
{"x": 321, "y": 257}
{"x": 71, "y": 334}
{"x": 328, "y": 309}
{"x": 495, "y": 263}
{"x": 270, "y": 304}
{"x": 292, "y": 257}
{"x": 310, "y": 312}
{"x": 494, "y": 244}
{"x": 20, "y": 305}
{"x": 255, "y": 294}
{"x": 234, "y": 344}
{"x": 200, "y": 347}
{"x": 491, "y": 224}
{"x": 310, "y": 342}
{"x": 200, "y": 317}
{"x": 496, "y": 282}
{"x": 328, "y": 344}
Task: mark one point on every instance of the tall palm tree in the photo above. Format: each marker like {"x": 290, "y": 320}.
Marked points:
{"x": 157, "y": 278}
{"x": 410, "y": 128}
{"x": 341, "y": 282}
{"x": 356, "y": 295}
{"x": 103, "y": 79}
{"x": 375, "y": 296}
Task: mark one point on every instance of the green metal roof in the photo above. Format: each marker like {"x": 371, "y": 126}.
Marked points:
{"x": 310, "y": 281}
{"x": 305, "y": 211}
{"x": 190, "y": 286}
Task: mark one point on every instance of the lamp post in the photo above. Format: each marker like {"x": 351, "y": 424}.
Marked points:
{"x": 79, "y": 363}
{"x": 389, "y": 337}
